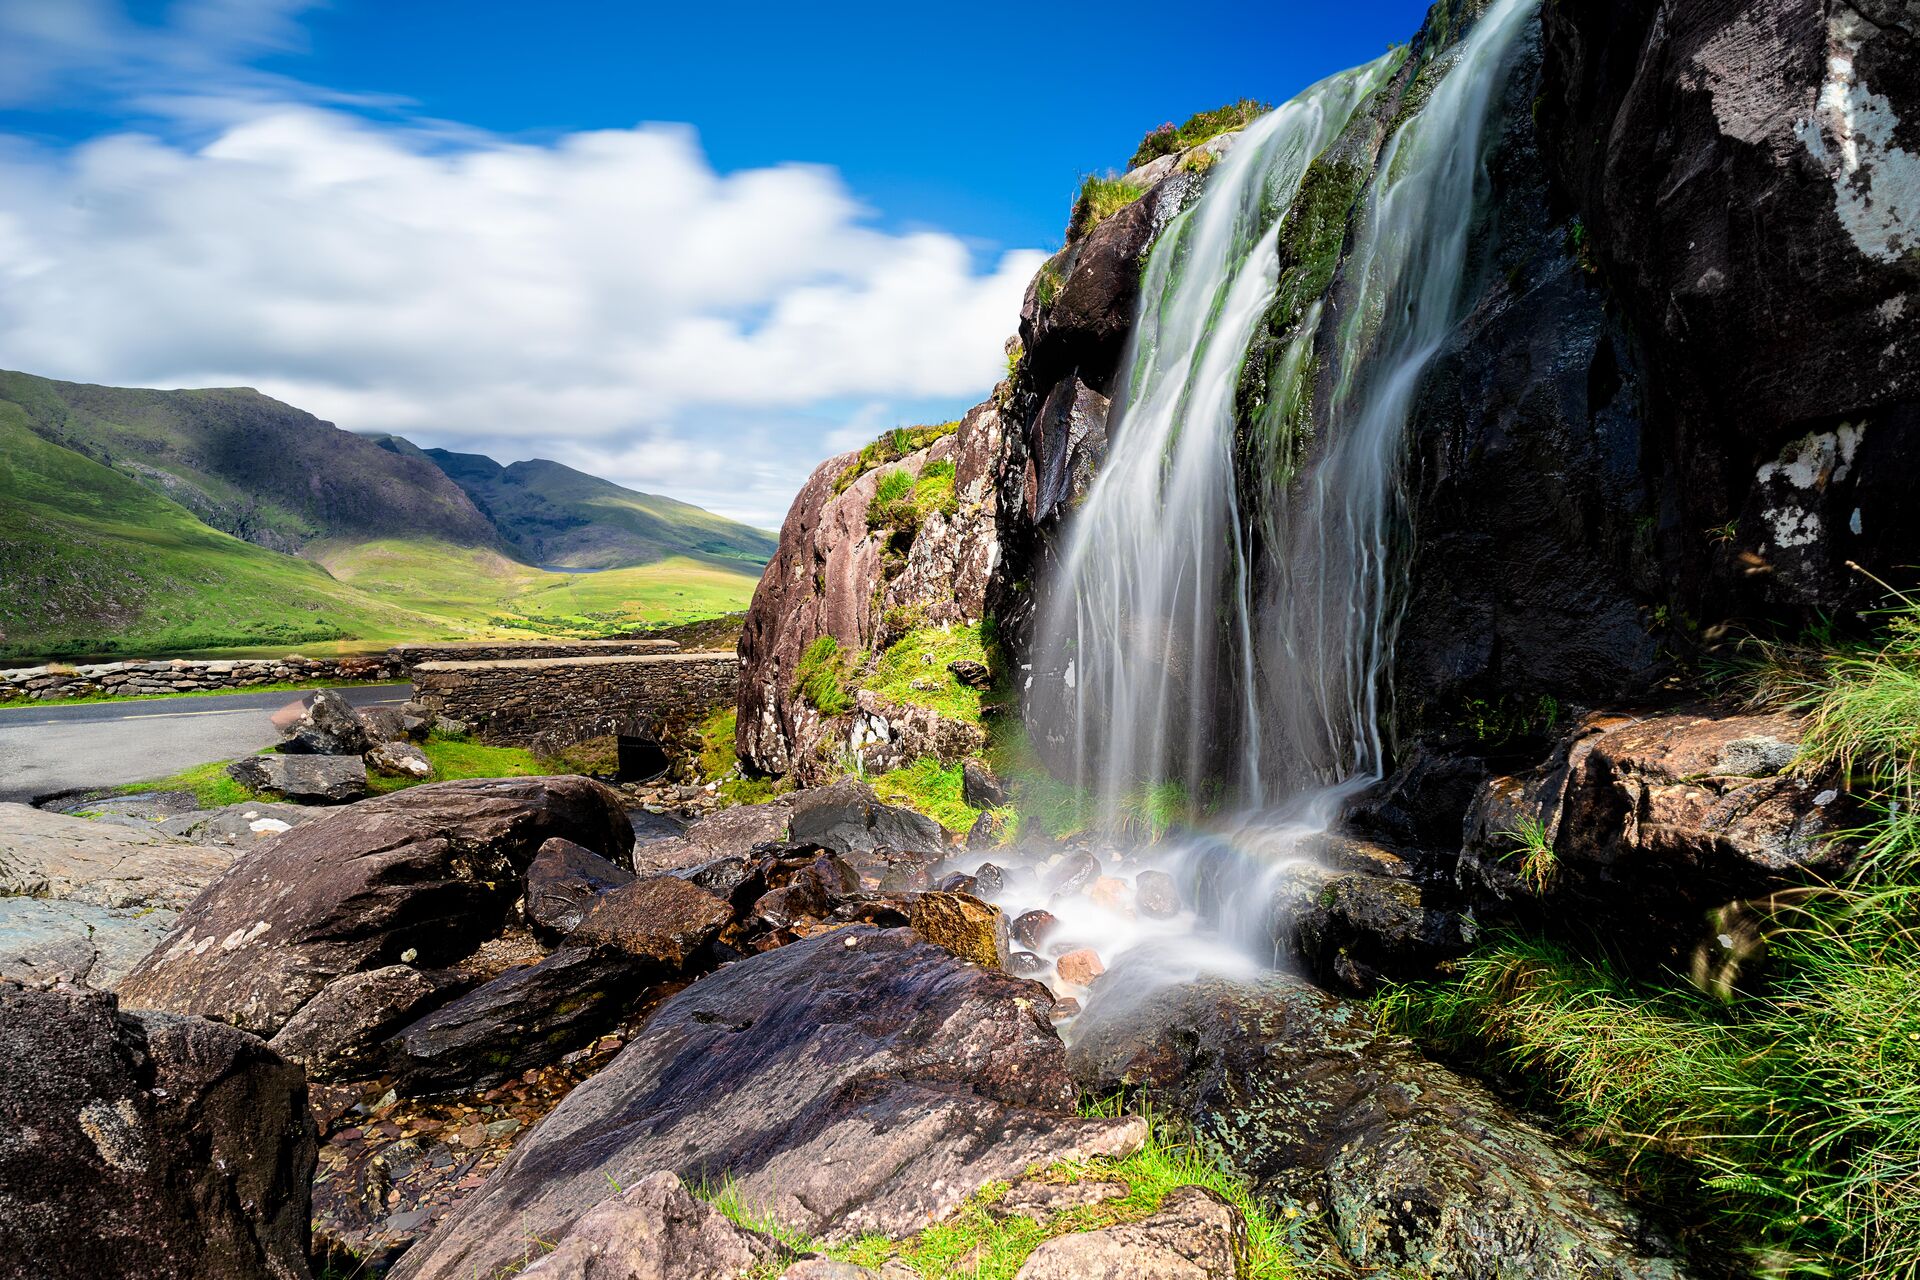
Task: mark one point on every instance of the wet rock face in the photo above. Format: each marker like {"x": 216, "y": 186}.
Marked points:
{"x": 1784, "y": 345}
{"x": 847, "y": 818}
{"x": 858, "y": 1080}
{"x": 1413, "y": 1165}
{"x": 422, "y": 876}
{"x": 143, "y": 1144}
{"x": 1653, "y": 819}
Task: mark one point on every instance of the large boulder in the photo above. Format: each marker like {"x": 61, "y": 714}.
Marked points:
{"x": 846, "y": 817}
{"x": 148, "y": 1145}
{"x": 1413, "y": 1165}
{"x": 1652, "y": 819}
{"x": 304, "y": 779}
{"x": 422, "y": 876}
{"x": 338, "y": 1034}
{"x": 860, "y": 1080}
{"x": 564, "y": 882}
{"x": 527, "y": 1017}
{"x": 731, "y": 831}
{"x": 659, "y": 920}
{"x": 323, "y": 723}
{"x": 835, "y": 575}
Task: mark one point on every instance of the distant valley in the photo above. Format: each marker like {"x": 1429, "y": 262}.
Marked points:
{"x": 150, "y": 521}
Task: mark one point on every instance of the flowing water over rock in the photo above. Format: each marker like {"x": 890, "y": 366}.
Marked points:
{"x": 1223, "y": 620}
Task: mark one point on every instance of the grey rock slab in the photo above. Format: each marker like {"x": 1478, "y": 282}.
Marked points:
{"x": 238, "y": 825}
{"x": 40, "y": 939}
{"x": 55, "y": 855}
{"x": 309, "y": 779}
{"x": 847, "y": 818}
{"x": 859, "y": 1080}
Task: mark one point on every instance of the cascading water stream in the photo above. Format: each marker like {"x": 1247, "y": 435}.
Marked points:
{"x": 1190, "y": 631}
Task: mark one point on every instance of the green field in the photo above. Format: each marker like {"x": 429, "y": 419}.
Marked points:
{"x": 93, "y": 563}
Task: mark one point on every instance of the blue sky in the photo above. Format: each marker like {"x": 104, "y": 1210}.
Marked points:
{"x": 695, "y": 248}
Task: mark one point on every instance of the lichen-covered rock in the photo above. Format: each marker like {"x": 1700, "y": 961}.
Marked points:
{"x": 663, "y": 920}
{"x": 1353, "y": 929}
{"x": 421, "y": 876}
{"x": 305, "y": 779}
{"x": 400, "y": 759}
{"x": 324, "y": 724}
{"x": 833, "y": 575}
{"x": 564, "y": 882}
{"x": 149, "y": 1145}
{"x": 337, "y": 1034}
{"x": 971, "y": 929}
{"x": 861, "y": 1080}
{"x": 1413, "y": 1165}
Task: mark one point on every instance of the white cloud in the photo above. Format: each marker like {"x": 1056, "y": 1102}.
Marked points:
{"x": 604, "y": 298}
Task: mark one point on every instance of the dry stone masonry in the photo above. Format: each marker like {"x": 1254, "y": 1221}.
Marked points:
{"x": 547, "y": 703}
{"x": 184, "y": 675}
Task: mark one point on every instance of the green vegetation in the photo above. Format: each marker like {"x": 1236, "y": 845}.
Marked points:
{"x": 1099, "y": 199}
{"x": 1200, "y": 126}
{"x": 913, "y": 670}
{"x": 976, "y": 1242}
{"x": 889, "y": 448}
{"x": 1047, "y": 283}
{"x": 1538, "y": 862}
{"x": 209, "y": 783}
{"x": 902, "y": 501}
{"x": 823, "y": 678}
{"x": 8, "y": 703}
{"x": 931, "y": 788}
{"x": 113, "y": 502}
{"x": 458, "y": 758}
{"x": 1783, "y": 1110}
{"x": 715, "y": 757}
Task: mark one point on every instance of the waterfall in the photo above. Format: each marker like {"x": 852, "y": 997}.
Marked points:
{"x": 1207, "y": 641}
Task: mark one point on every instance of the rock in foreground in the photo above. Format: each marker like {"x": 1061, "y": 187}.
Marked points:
{"x": 146, "y": 1145}
{"x": 654, "y": 1230}
{"x": 422, "y": 876}
{"x": 1414, "y": 1165}
{"x": 861, "y": 1080}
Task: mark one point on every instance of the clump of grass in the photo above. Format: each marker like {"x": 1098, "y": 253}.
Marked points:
{"x": 1047, "y": 283}
{"x": 978, "y": 1243}
{"x": 1200, "y": 126}
{"x": 891, "y": 447}
{"x": 715, "y": 758}
{"x": 461, "y": 758}
{"x": 931, "y": 788}
{"x": 1539, "y": 864}
{"x": 822, "y": 678}
{"x": 902, "y": 501}
{"x": 1099, "y": 199}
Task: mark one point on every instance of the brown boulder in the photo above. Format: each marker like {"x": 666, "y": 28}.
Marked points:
{"x": 422, "y": 876}
{"x": 564, "y": 882}
{"x": 663, "y": 919}
{"x": 336, "y": 1034}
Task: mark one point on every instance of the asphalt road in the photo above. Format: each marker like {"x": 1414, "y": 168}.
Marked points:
{"x": 46, "y": 748}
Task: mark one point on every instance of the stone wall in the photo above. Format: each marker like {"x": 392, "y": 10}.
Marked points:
{"x": 184, "y": 675}
{"x": 409, "y": 656}
{"x": 548, "y": 703}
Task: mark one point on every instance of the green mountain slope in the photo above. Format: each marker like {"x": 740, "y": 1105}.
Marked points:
{"x": 251, "y": 466}
{"x": 94, "y": 562}
{"x": 556, "y": 516}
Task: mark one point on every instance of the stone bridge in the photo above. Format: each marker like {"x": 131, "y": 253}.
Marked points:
{"x": 552, "y": 702}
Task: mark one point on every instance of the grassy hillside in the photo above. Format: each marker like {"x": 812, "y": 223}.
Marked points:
{"x": 249, "y": 465}
{"x": 556, "y": 516}
{"x": 95, "y": 563}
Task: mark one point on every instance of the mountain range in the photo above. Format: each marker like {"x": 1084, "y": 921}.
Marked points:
{"x": 162, "y": 521}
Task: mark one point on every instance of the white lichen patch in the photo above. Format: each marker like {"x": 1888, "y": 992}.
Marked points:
{"x": 1876, "y": 183}
{"x": 1793, "y": 482}
{"x": 115, "y": 1133}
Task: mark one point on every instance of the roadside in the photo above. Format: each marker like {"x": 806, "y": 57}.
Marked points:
{"x": 47, "y": 749}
